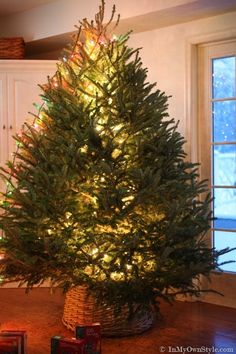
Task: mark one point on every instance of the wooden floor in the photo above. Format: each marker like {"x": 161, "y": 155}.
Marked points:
{"x": 192, "y": 326}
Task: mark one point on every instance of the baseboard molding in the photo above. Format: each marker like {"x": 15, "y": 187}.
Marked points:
{"x": 15, "y": 285}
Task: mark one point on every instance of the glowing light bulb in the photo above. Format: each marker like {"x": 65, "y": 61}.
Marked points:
{"x": 128, "y": 199}
{"x": 102, "y": 179}
{"x": 106, "y": 258}
{"x": 94, "y": 251}
{"x": 115, "y": 153}
{"x": 99, "y": 128}
{"x": 117, "y": 127}
{"x": 117, "y": 276}
{"x": 129, "y": 266}
{"x": 68, "y": 215}
{"x": 84, "y": 148}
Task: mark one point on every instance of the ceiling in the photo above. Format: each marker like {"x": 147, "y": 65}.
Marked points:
{"x": 10, "y": 7}
{"x": 188, "y": 11}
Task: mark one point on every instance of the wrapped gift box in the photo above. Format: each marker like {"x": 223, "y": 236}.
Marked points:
{"x": 10, "y": 344}
{"x": 91, "y": 334}
{"x": 17, "y": 333}
{"x": 60, "y": 345}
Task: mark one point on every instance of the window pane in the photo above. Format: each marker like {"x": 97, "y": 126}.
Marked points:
{"x": 223, "y": 77}
{"x": 224, "y": 121}
{"x": 225, "y": 203}
{"x": 224, "y": 165}
{"x": 223, "y": 240}
{"x": 227, "y": 224}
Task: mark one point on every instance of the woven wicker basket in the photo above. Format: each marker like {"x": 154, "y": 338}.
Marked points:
{"x": 80, "y": 308}
{"x": 12, "y": 48}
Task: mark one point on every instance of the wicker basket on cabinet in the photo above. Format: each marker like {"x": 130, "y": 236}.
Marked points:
{"x": 12, "y": 48}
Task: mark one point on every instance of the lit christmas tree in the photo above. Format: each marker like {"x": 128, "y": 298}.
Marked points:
{"x": 99, "y": 193}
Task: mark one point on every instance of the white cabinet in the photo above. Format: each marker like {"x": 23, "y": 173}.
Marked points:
{"x": 19, "y": 80}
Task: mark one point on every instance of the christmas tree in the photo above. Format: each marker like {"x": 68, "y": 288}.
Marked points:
{"x": 100, "y": 192}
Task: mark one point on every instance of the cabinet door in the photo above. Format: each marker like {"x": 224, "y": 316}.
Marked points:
{"x": 3, "y": 123}
{"x": 23, "y": 92}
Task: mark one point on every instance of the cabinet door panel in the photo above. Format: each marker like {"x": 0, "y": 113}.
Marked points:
{"x": 3, "y": 125}
{"x": 23, "y": 91}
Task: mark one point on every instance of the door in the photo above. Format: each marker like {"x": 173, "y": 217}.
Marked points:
{"x": 3, "y": 123}
{"x": 19, "y": 89}
{"x": 217, "y": 152}
{"x": 23, "y": 93}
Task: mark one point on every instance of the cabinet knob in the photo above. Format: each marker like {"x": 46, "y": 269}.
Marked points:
{"x": 4, "y": 127}
{"x": 10, "y": 127}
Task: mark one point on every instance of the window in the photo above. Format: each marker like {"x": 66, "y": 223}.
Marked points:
{"x": 217, "y": 137}
{"x": 223, "y": 142}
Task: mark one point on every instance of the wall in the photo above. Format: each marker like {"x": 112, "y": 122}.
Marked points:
{"x": 60, "y": 17}
{"x": 165, "y": 52}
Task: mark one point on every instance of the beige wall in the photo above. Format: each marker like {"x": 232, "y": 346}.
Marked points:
{"x": 60, "y": 16}
{"x": 165, "y": 52}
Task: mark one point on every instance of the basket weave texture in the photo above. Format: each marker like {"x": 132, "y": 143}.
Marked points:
{"x": 12, "y": 48}
{"x": 80, "y": 308}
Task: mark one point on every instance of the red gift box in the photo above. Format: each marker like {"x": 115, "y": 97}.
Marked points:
{"x": 10, "y": 345}
{"x": 16, "y": 333}
{"x": 60, "y": 345}
{"x": 91, "y": 334}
